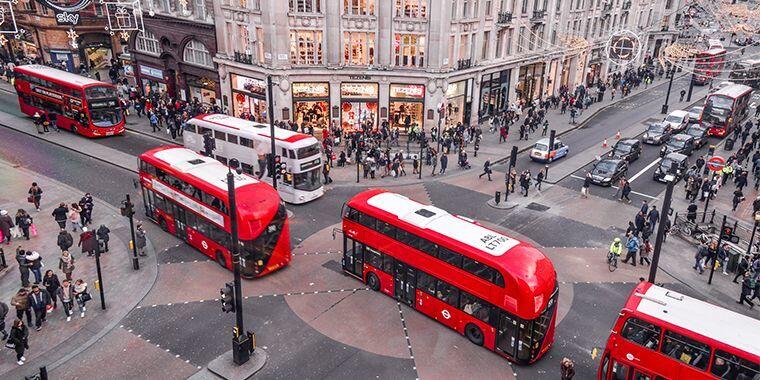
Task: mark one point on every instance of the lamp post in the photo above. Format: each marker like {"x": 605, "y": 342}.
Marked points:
{"x": 128, "y": 209}
{"x": 671, "y": 179}
{"x": 271, "y": 131}
{"x": 717, "y": 250}
{"x": 242, "y": 344}
{"x": 670, "y": 85}
{"x": 752, "y": 236}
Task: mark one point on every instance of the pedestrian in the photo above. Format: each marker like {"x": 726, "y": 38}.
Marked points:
{"x": 140, "y": 239}
{"x": 653, "y": 217}
{"x": 21, "y": 303}
{"x": 19, "y": 339}
{"x": 87, "y": 242}
{"x": 567, "y": 370}
{"x": 75, "y": 217}
{"x": 644, "y": 207}
{"x": 434, "y": 161}
{"x": 53, "y": 118}
{"x": 66, "y": 294}
{"x": 34, "y": 260}
{"x": 702, "y": 253}
{"x": 66, "y": 264}
{"x": 103, "y": 235}
{"x": 153, "y": 121}
{"x": 444, "y": 163}
{"x": 486, "y": 170}
{"x": 81, "y": 296}
{"x": 25, "y": 222}
{"x": 35, "y": 195}
{"x": 6, "y": 223}
{"x": 23, "y": 266}
{"x": 748, "y": 285}
{"x": 51, "y": 284}
{"x": 646, "y": 249}
{"x": 539, "y": 179}
{"x": 39, "y": 299}
{"x": 65, "y": 240}
{"x": 586, "y": 185}
{"x": 632, "y": 245}
{"x": 742, "y": 266}
{"x": 738, "y": 198}
{"x": 683, "y": 94}
{"x": 626, "y": 191}
{"x": 86, "y": 204}
{"x": 572, "y": 115}
{"x": 3, "y": 313}
{"x": 61, "y": 214}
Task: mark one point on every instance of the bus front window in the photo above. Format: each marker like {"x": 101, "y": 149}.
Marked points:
{"x": 106, "y": 117}
{"x": 307, "y": 181}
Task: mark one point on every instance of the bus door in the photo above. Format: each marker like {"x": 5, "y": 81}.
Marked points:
{"x": 353, "y": 257}
{"x": 405, "y": 283}
{"x": 506, "y": 341}
{"x": 180, "y": 222}
{"x": 150, "y": 208}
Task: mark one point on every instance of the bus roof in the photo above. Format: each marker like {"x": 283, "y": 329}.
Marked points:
{"x": 733, "y": 91}
{"x": 204, "y": 168}
{"x": 50, "y": 73}
{"x": 700, "y": 317}
{"x": 714, "y": 51}
{"x": 250, "y": 129}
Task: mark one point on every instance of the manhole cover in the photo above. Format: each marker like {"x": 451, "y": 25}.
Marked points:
{"x": 333, "y": 265}
{"x": 537, "y": 207}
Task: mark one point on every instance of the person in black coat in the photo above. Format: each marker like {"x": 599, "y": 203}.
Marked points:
{"x": 38, "y": 300}
{"x": 60, "y": 214}
{"x": 65, "y": 240}
{"x": 23, "y": 266}
{"x": 19, "y": 338}
{"x": 103, "y": 236}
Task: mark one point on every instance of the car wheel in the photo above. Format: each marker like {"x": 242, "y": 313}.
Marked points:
{"x": 474, "y": 334}
{"x": 373, "y": 282}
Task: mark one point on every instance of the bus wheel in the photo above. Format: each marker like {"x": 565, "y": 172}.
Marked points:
{"x": 474, "y": 334}
{"x": 162, "y": 224}
{"x": 373, "y": 282}
{"x": 220, "y": 259}
{"x": 73, "y": 129}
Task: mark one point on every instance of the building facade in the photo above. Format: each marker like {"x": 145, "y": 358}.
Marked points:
{"x": 174, "y": 53}
{"x": 350, "y": 62}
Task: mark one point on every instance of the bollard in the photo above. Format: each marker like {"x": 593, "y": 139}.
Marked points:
{"x": 498, "y": 197}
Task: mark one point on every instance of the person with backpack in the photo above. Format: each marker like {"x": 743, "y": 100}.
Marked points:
{"x": 103, "y": 237}
{"x": 21, "y": 303}
{"x": 65, "y": 240}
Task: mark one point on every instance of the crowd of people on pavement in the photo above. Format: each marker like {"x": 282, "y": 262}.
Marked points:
{"x": 44, "y": 293}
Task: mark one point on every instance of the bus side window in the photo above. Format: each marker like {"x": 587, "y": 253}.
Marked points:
{"x": 291, "y": 153}
{"x": 604, "y": 366}
{"x": 352, "y": 214}
{"x": 619, "y": 371}
{"x": 247, "y": 169}
{"x": 388, "y": 264}
{"x": 447, "y": 293}
{"x": 729, "y": 366}
{"x": 190, "y": 128}
{"x": 374, "y": 258}
{"x": 450, "y": 257}
{"x": 426, "y": 283}
{"x": 219, "y": 135}
{"x": 642, "y": 333}
{"x": 248, "y": 143}
{"x": 386, "y": 229}
{"x": 685, "y": 349}
{"x": 408, "y": 238}
{"x": 475, "y": 306}
{"x": 367, "y": 220}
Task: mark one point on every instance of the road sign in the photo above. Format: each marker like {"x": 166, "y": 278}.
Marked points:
{"x": 716, "y": 163}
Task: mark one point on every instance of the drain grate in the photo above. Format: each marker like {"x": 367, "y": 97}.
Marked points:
{"x": 537, "y": 207}
{"x": 333, "y": 265}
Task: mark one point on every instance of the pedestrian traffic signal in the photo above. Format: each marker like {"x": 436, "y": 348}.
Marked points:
{"x": 127, "y": 209}
{"x": 227, "y": 298}
{"x": 209, "y": 144}
{"x": 280, "y": 168}
{"x": 727, "y": 232}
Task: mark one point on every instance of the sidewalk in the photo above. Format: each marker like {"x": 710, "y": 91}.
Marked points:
{"x": 59, "y": 341}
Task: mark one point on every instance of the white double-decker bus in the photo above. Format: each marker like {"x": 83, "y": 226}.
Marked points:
{"x": 249, "y": 142}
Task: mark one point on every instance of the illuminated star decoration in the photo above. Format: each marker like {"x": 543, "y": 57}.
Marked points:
{"x": 73, "y": 35}
{"x": 124, "y": 35}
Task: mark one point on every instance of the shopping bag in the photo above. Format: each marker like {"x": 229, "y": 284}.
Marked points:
{"x": 33, "y": 230}
{"x": 14, "y": 232}
{"x": 30, "y": 199}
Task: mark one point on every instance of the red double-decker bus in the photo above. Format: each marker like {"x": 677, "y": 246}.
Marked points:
{"x": 186, "y": 194}
{"x": 497, "y": 291}
{"x": 726, "y": 109}
{"x": 82, "y": 105}
{"x": 664, "y": 335}
{"x": 708, "y": 65}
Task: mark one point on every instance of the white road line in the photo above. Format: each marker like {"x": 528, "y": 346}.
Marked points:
{"x": 616, "y": 187}
{"x": 637, "y": 175}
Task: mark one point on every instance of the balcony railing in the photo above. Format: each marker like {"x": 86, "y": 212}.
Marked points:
{"x": 464, "y": 64}
{"x": 243, "y": 58}
{"x": 627, "y": 5}
{"x": 504, "y": 18}
{"x": 538, "y": 15}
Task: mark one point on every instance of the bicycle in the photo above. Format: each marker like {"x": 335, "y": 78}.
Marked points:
{"x": 612, "y": 261}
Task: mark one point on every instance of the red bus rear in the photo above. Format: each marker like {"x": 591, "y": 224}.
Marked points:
{"x": 497, "y": 291}
{"x": 82, "y": 105}
{"x": 708, "y": 65}
{"x": 661, "y": 334}
{"x": 726, "y": 109}
{"x": 186, "y": 194}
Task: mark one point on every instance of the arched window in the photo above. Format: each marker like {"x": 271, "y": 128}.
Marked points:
{"x": 196, "y": 53}
{"x": 147, "y": 42}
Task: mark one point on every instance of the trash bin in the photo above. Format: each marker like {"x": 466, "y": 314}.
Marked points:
{"x": 733, "y": 258}
{"x": 729, "y": 144}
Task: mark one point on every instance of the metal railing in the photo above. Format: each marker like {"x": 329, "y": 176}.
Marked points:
{"x": 464, "y": 64}
{"x": 243, "y": 58}
{"x": 504, "y": 18}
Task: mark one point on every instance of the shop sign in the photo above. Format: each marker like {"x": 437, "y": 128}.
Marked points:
{"x": 254, "y": 86}
{"x": 129, "y": 70}
{"x": 66, "y": 18}
{"x": 407, "y": 91}
{"x": 311, "y": 90}
{"x": 359, "y": 77}
{"x": 152, "y": 72}
{"x": 455, "y": 89}
{"x": 359, "y": 90}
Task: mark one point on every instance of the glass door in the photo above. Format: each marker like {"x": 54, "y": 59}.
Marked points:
{"x": 507, "y": 339}
{"x": 148, "y": 202}
{"x": 405, "y": 282}
{"x": 353, "y": 257}
{"x": 180, "y": 222}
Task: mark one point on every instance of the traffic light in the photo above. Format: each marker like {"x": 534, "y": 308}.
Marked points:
{"x": 227, "y": 298}
{"x": 209, "y": 144}
{"x": 279, "y": 167}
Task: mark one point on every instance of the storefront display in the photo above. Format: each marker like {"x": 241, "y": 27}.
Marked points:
{"x": 358, "y": 105}
{"x": 407, "y": 104}
{"x": 311, "y": 104}
{"x": 494, "y": 93}
{"x": 203, "y": 89}
{"x": 456, "y": 100}
{"x": 530, "y": 85}
{"x": 249, "y": 100}
{"x": 152, "y": 80}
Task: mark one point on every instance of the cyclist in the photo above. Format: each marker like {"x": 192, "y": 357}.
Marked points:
{"x": 616, "y": 248}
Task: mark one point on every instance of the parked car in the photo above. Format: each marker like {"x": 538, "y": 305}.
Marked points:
{"x": 657, "y": 133}
{"x": 541, "y": 153}
{"x": 699, "y": 134}
{"x": 628, "y": 149}
{"x": 678, "y": 120}
{"x": 607, "y": 171}
{"x": 695, "y": 113}
{"x": 679, "y": 160}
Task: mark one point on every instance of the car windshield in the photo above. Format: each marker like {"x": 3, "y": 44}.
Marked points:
{"x": 604, "y": 167}
{"x": 656, "y": 128}
{"x": 308, "y": 151}
{"x": 623, "y": 148}
{"x": 106, "y": 117}
{"x": 666, "y": 163}
{"x": 695, "y": 131}
{"x": 541, "y": 147}
{"x": 307, "y": 181}
{"x": 678, "y": 144}
{"x": 673, "y": 119}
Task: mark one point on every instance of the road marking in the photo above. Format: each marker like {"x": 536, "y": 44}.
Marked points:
{"x": 616, "y": 187}
{"x": 637, "y": 175}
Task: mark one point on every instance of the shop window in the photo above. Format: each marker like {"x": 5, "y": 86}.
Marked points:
{"x": 685, "y": 349}
{"x": 146, "y": 42}
{"x": 197, "y": 53}
{"x": 359, "y": 7}
{"x": 306, "y": 6}
{"x": 642, "y": 333}
{"x": 409, "y": 50}
{"x": 358, "y": 48}
{"x": 411, "y": 8}
{"x": 306, "y": 47}
{"x": 200, "y": 9}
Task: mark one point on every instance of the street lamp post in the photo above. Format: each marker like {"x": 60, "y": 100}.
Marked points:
{"x": 358, "y": 161}
{"x": 754, "y": 229}
{"x": 691, "y": 88}
{"x": 670, "y": 178}
{"x": 670, "y": 85}
{"x": 242, "y": 344}
{"x": 717, "y": 250}
{"x": 271, "y": 131}
{"x": 128, "y": 210}
{"x": 552, "y": 136}
{"x": 512, "y": 163}
{"x": 100, "y": 278}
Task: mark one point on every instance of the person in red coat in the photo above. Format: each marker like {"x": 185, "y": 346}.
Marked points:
{"x": 87, "y": 242}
